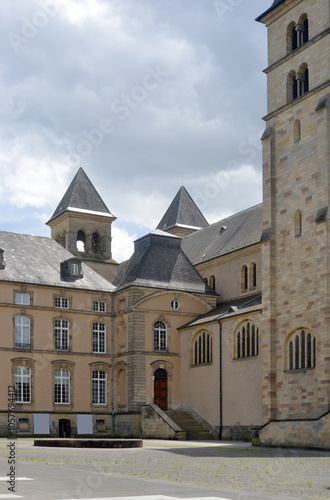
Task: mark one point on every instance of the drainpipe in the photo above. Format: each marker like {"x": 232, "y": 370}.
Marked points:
{"x": 112, "y": 370}
{"x": 220, "y": 375}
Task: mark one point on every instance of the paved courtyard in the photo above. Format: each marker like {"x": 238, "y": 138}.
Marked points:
{"x": 161, "y": 469}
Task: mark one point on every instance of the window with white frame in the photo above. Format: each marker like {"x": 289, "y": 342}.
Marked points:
{"x": 61, "y": 303}
{"x": 62, "y": 386}
{"x": 99, "y": 387}
{"x": 99, "y": 306}
{"x": 74, "y": 269}
{"x": 61, "y": 331}
{"x": 22, "y": 384}
{"x": 160, "y": 336}
{"x": 22, "y": 332}
{"x": 22, "y": 299}
{"x": 99, "y": 332}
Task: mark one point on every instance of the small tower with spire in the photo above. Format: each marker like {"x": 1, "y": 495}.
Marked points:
{"x": 182, "y": 216}
{"x": 82, "y": 222}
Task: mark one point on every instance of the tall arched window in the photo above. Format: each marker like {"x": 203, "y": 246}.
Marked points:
{"x": 202, "y": 348}
{"x": 246, "y": 340}
{"x": 244, "y": 278}
{"x": 301, "y": 350}
{"x": 253, "y": 275}
{"x": 212, "y": 282}
{"x": 160, "y": 336}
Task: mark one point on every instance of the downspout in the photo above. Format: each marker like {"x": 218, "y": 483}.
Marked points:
{"x": 112, "y": 371}
{"x": 220, "y": 375}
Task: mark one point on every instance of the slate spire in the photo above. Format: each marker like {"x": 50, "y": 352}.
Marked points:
{"x": 81, "y": 195}
{"x": 183, "y": 215}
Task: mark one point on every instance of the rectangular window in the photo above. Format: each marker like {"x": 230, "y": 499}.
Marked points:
{"x": 99, "y": 385}
{"x": 99, "y": 338}
{"x": 62, "y": 386}
{"x": 22, "y": 384}
{"x": 61, "y": 302}
{"x": 22, "y": 299}
{"x": 99, "y": 306}
{"x": 22, "y": 332}
{"x": 74, "y": 269}
{"x": 61, "y": 335}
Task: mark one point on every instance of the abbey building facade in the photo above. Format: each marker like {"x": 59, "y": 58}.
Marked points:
{"x": 207, "y": 331}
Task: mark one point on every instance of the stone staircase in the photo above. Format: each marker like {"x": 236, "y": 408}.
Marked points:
{"x": 195, "y": 430}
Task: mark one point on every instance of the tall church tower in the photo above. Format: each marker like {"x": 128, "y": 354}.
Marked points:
{"x": 296, "y": 182}
{"x": 82, "y": 221}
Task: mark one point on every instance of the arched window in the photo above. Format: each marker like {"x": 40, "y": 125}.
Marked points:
{"x": 96, "y": 243}
{"x": 212, "y": 282}
{"x": 205, "y": 279}
{"x": 296, "y": 131}
{"x": 294, "y": 88}
{"x": 247, "y": 340}
{"x": 244, "y": 278}
{"x": 297, "y": 223}
{"x": 306, "y": 31}
{"x": 253, "y": 275}
{"x": 160, "y": 336}
{"x": 301, "y": 350}
{"x": 99, "y": 387}
{"x": 202, "y": 347}
{"x": 294, "y": 38}
{"x": 81, "y": 241}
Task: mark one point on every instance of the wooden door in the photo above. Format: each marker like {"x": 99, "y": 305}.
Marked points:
{"x": 160, "y": 389}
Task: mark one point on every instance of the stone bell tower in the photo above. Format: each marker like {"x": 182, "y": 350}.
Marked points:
{"x": 295, "y": 249}
{"x": 82, "y": 222}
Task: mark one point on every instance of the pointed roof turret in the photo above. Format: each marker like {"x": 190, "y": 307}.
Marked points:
{"x": 81, "y": 196}
{"x": 183, "y": 215}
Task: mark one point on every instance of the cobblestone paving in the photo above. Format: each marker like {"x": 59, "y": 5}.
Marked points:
{"x": 300, "y": 473}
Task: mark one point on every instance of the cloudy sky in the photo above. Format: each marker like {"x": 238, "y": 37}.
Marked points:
{"x": 143, "y": 94}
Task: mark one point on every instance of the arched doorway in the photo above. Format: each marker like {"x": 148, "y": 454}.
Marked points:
{"x": 160, "y": 388}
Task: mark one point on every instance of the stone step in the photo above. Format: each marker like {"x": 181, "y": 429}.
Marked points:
{"x": 195, "y": 431}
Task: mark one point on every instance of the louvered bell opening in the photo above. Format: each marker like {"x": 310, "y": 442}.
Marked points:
{"x": 294, "y": 39}
{"x": 306, "y": 31}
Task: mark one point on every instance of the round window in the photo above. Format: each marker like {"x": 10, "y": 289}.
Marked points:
{"x": 175, "y": 304}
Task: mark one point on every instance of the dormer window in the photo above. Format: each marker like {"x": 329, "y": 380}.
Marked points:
{"x": 71, "y": 268}
{"x": 2, "y": 262}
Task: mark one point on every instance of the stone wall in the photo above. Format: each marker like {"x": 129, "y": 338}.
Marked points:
{"x": 156, "y": 424}
{"x": 297, "y": 433}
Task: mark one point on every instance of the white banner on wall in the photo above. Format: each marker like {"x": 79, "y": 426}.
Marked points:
{"x": 41, "y": 423}
{"x": 84, "y": 424}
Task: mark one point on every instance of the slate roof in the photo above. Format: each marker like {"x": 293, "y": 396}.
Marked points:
{"x": 183, "y": 211}
{"x": 159, "y": 262}
{"x": 275, "y": 4}
{"x": 37, "y": 259}
{"x": 237, "y": 231}
{"x": 227, "y": 310}
{"x": 82, "y": 196}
